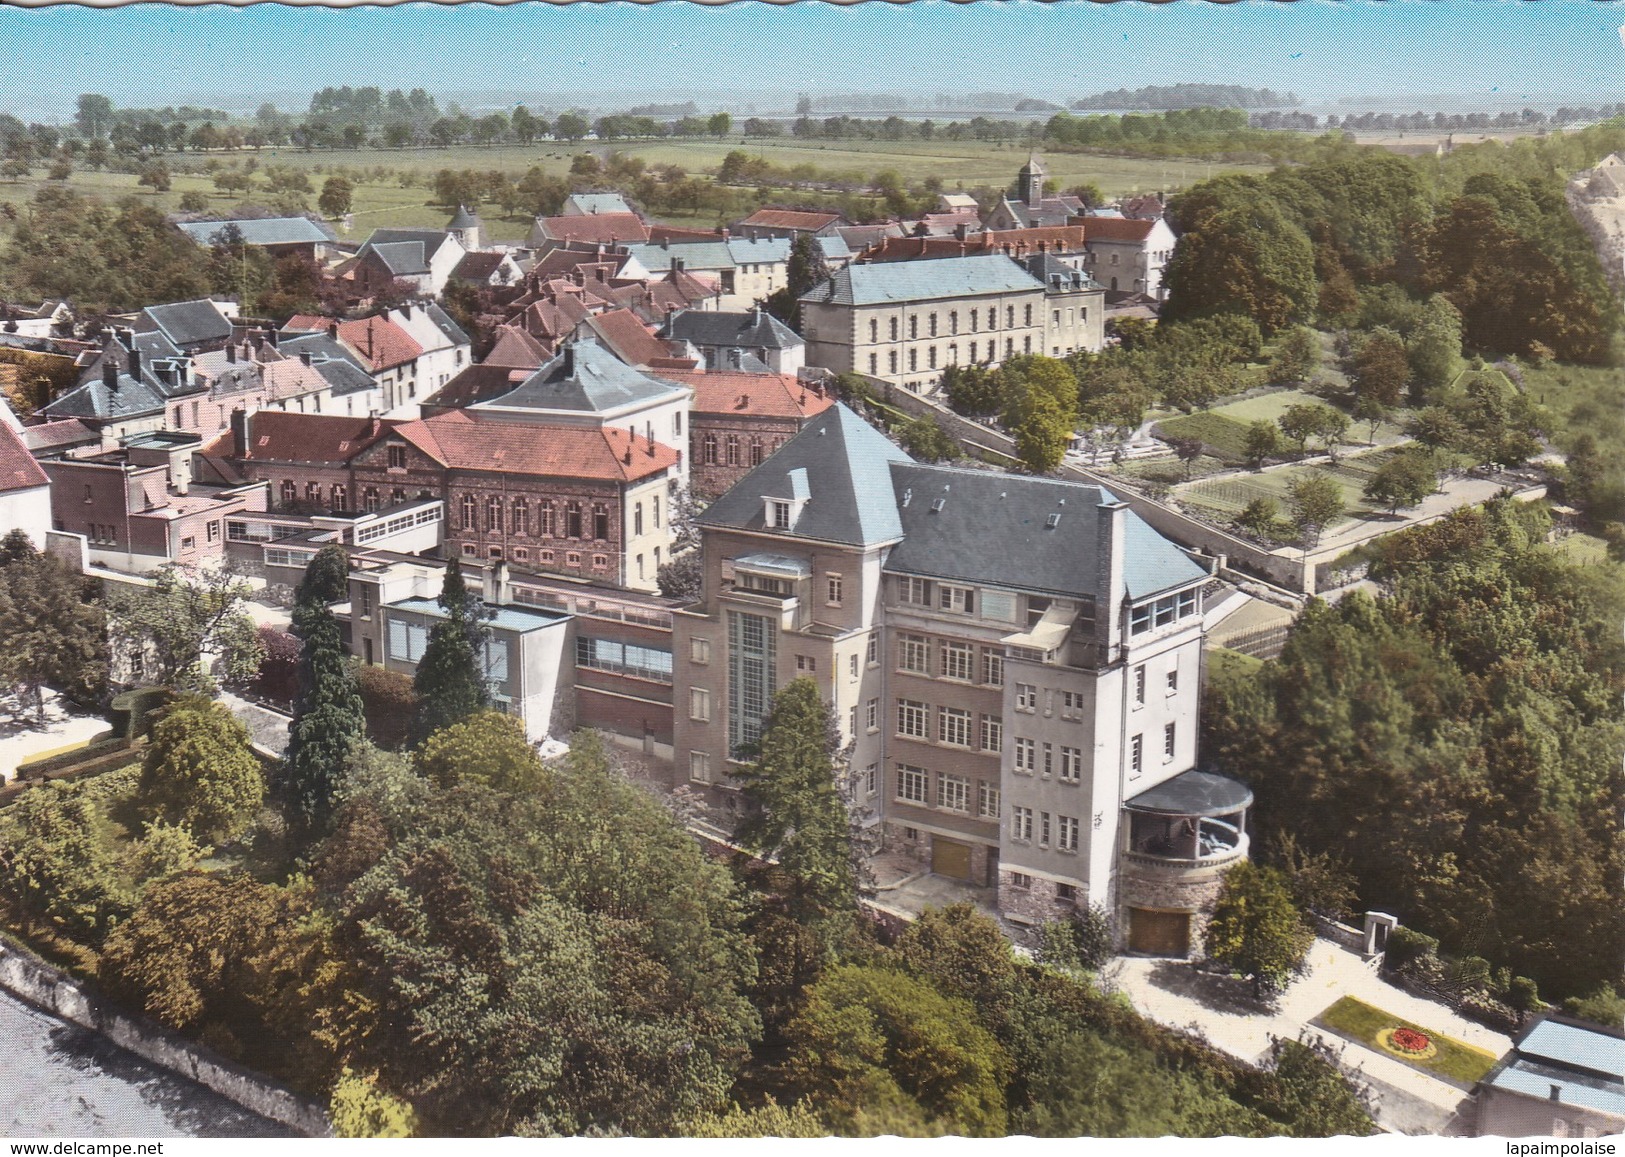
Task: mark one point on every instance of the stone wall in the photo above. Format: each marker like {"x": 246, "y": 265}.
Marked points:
{"x": 45, "y": 987}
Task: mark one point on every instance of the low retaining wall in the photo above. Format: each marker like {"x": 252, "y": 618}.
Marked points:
{"x": 54, "y": 991}
{"x": 1343, "y": 935}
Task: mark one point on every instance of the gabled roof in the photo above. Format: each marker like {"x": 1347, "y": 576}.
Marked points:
{"x": 190, "y": 322}
{"x": 1118, "y": 228}
{"x": 608, "y": 453}
{"x": 324, "y": 439}
{"x": 834, "y": 248}
{"x": 400, "y": 258}
{"x": 921, "y": 281}
{"x": 620, "y": 331}
{"x": 478, "y": 266}
{"x": 790, "y": 219}
{"x": 585, "y": 378}
{"x": 846, "y": 463}
{"x": 730, "y": 394}
{"x": 759, "y": 250}
{"x": 379, "y": 343}
{"x": 590, "y": 204}
{"x": 93, "y": 399}
{"x": 264, "y": 231}
{"x": 476, "y": 383}
{"x": 858, "y": 237}
{"x": 605, "y": 227}
{"x": 18, "y": 470}
{"x": 706, "y": 255}
{"x": 755, "y": 329}
{"x": 49, "y": 436}
{"x": 431, "y": 238}
{"x": 516, "y": 349}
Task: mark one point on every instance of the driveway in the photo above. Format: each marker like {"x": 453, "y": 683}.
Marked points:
{"x": 1223, "y": 1011}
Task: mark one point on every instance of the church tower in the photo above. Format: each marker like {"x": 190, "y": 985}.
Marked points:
{"x": 1030, "y": 181}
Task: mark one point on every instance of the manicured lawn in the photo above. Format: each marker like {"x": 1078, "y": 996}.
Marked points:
{"x": 1458, "y": 1063}
{"x": 1223, "y": 435}
{"x": 1266, "y": 407}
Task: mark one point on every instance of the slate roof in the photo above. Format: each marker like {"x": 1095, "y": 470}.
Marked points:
{"x": 478, "y": 266}
{"x": 333, "y": 360}
{"x": 1193, "y": 793}
{"x": 433, "y": 238}
{"x": 18, "y": 470}
{"x": 190, "y": 322}
{"x": 591, "y": 204}
{"x": 455, "y": 440}
{"x": 753, "y": 329}
{"x": 476, "y": 383}
{"x": 859, "y": 237}
{"x": 265, "y": 231}
{"x": 1151, "y": 563}
{"x": 50, "y": 436}
{"x": 846, "y": 462}
{"x": 760, "y": 251}
{"x": 731, "y": 394}
{"x": 834, "y": 248}
{"x": 401, "y": 258}
{"x": 921, "y": 281}
{"x": 586, "y": 379}
{"x": 464, "y": 218}
{"x": 1045, "y": 266}
{"x": 1585, "y": 1062}
{"x": 514, "y": 348}
{"x": 705, "y": 255}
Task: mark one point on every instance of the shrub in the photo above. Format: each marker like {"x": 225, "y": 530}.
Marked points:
{"x": 133, "y": 713}
{"x": 1524, "y": 995}
{"x": 389, "y": 704}
{"x": 1408, "y": 946}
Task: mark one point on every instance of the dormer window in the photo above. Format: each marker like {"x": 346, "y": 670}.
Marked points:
{"x": 778, "y": 514}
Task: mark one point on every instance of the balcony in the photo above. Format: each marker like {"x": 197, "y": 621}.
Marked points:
{"x": 1198, "y": 843}
{"x": 1180, "y": 837}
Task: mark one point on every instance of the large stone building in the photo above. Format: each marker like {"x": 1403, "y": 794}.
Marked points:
{"x": 1013, "y": 662}
{"x": 907, "y": 321}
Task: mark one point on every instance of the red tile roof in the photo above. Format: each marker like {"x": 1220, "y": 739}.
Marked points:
{"x": 18, "y": 470}
{"x": 625, "y": 336}
{"x": 1015, "y": 242}
{"x": 658, "y": 232}
{"x": 515, "y": 348}
{"x": 605, "y": 227}
{"x": 66, "y": 432}
{"x": 789, "y": 219}
{"x": 730, "y": 393}
{"x": 1117, "y": 229}
{"x": 274, "y": 436}
{"x": 459, "y": 442}
{"x": 379, "y": 343}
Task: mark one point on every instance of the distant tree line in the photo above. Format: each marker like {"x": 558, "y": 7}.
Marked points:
{"x": 1178, "y": 96}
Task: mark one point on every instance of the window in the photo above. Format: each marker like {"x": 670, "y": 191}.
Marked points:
{"x": 1027, "y": 315}
{"x": 871, "y": 779}
{"x": 600, "y": 562}
{"x": 993, "y": 668}
{"x": 953, "y": 793}
{"x": 874, "y": 329}
{"x": 913, "y": 360}
{"x": 1139, "y": 620}
{"x": 493, "y": 515}
{"x": 290, "y": 492}
{"x": 572, "y": 522}
{"x": 188, "y": 543}
{"x": 961, "y": 600}
{"x": 751, "y": 675}
{"x": 212, "y": 531}
{"x": 911, "y": 719}
{"x": 654, "y": 510}
{"x": 914, "y": 326}
{"x": 872, "y": 715}
{"x": 1071, "y": 704}
{"x": 891, "y": 361}
{"x": 624, "y": 658}
{"x": 1066, "y": 836}
{"x": 340, "y": 498}
{"x": 369, "y": 500}
{"x": 953, "y": 321}
{"x": 1173, "y": 681}
{"x": 992, "y": 733}
{"x": 1043, "y": 829}
{"x": 992, "y": 317}
{"x": 893, "y": 329}
{"x": 637, "y": 518}
{"x": 958, "y": 661}
{"x": 834, "y": 584}
{"x": 544, "y": 520}
{"x": 1168, "y": 741}
{"x": 1049, "y": 761}
{"x": 778, "y": 514}
{"x": 1010, "y": 317}
{"x": 699, "y": 650}
{"x": 1071, "y": 764}
{"x": 1139, "y": 685}
{"x": 1021, "y": 826}
{"x": 677, "y": 424}
{"x": 1026, "y": 756}
{"x": 313, "y": 493}
{"x": 874, "y": 363}
{"x": 1067, "y": 892}
{"x": 1026, "y": 697}
{"x": 1136, "y": 755}
{"x": 600, "y": 522}
{"x": 731, "y": 454}
{"x": 987, "y": 799}
{"x": 914, "y": 654}
{"x": 699, "y": 767}
{"x": 699, "y": 704}
{"x": 916, "y": 591}
{"x": 1000, "y": 605}
{"x": 708, "y": 452}
{"x": 873, "y": 657}
{"x": 953, "y": 726}
{"x": 521, "y": 516}
{"x": 913, "y": 783}
{"x": 931, "y": 357}
{"x": 931, "y": 323}
{"x": 397, "y": 457}
{"x": 807, "y": 664}
{"x": 365, "y": 601}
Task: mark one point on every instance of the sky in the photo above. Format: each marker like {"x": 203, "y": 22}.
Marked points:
{"x": 1495, "y": 51}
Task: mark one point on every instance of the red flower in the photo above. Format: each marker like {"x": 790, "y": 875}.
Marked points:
{"x": 1408, "y": 1040}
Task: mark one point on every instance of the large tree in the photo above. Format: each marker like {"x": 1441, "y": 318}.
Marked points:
{"x": 1246, "y": 257}
{"x": 199, "y": 772}
{"x": 1256, "y": 929}
{"x": 488, "y": 747}
{"x": 799, "y": 817}
{"x": 328, "y": 715}
{"x": 51, "y": 633}
{"x": 55, "y": 867}
{"x": 450, "y": 680}
{"x": 181, "y": 625}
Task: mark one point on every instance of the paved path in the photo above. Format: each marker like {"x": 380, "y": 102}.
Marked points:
{"x": 22, "y": 738}
{"x": 1223, "y": 1011}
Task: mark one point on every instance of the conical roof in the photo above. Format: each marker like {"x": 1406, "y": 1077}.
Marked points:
{"x": 466, "y": 218}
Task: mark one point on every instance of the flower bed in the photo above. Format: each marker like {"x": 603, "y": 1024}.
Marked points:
{"x": 1450, "y": 1060}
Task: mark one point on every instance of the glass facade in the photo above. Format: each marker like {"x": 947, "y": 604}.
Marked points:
{"x": 752, "y": 676}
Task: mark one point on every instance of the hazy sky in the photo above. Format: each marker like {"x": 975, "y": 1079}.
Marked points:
{"x": 161, "y": 54}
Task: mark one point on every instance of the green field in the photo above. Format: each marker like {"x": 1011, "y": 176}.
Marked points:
{"x": 1460, "y": 1064}
{"x": 380, "y": 174}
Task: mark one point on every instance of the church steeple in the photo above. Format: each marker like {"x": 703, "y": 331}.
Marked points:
{"x": 1030, "y": 181}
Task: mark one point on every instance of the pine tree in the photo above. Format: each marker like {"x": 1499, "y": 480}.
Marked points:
{"x": 328, "y": 715}
{"x": 449, "y": 681}
{"x": 800, "y": 819}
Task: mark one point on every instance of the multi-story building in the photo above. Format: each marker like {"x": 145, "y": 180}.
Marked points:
{"x": 1128, "y": 256}
{"x": 1013, "y": 663}
{"x": 907, "y": 321}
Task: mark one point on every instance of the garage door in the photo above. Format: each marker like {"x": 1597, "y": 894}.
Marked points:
{"x": 949, "y": 858}
{"x": 1159, "y": 933}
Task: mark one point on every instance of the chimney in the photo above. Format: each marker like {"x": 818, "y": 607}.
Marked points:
{"x": 665, "y": 243}
{"x": 239, "y": 434}
{"x": 651, "y": 437}
{"x": 1557, "y": 1092}
{"x": 304, "y": 357}
{"x": 961, "y": 231}
{"x": 677, "y": 264}
{"x": 135, "y": 364}
{"x": 333, "y": 330}
{"x": 569, "y": 361}
{"x": 627, "y": 457}
{"x": 231, "y": 351}
{"x": 271, "y": 336}
{"x": 736, "y": 359}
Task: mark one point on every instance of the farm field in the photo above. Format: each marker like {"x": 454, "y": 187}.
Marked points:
{"x": 1224, "y": 498}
